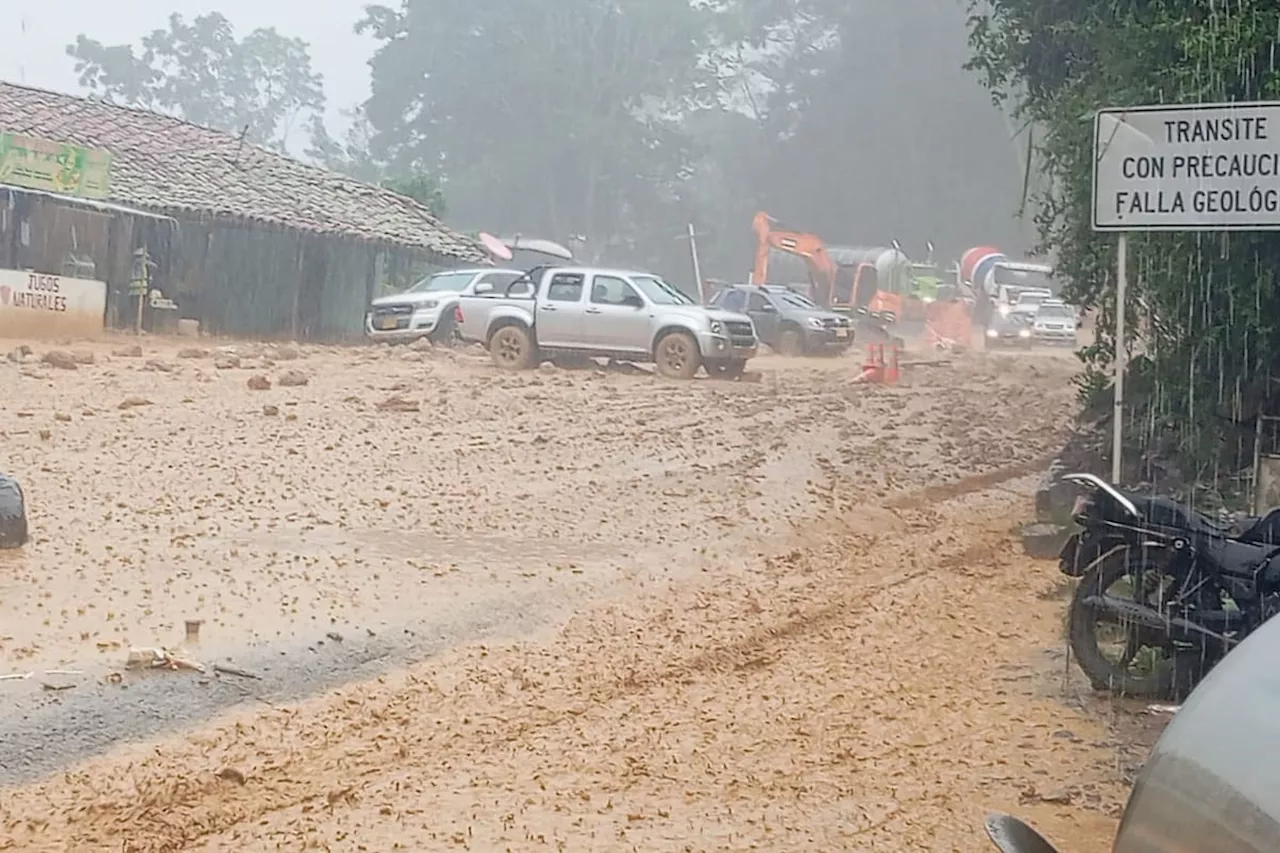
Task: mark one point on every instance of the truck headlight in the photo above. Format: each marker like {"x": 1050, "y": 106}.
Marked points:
{"x": 1024, "y": 333}
{"x": 717, "y": 328}
{"x": 992, "y": 333}
{"x": 427, "y": 305}
{"x": 815, "y": 323}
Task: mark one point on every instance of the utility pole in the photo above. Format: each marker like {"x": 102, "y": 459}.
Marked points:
{"x": 692, "y": 236}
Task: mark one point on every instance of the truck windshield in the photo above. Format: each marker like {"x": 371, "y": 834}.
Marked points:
{"x": 795, "y": 300}
{"x": 443, "y": 281}
{"x": 659, "y": 292}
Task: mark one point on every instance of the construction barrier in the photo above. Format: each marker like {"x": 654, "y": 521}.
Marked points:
{"x": 949, "y": 324}
{"x": 880, "y": 369}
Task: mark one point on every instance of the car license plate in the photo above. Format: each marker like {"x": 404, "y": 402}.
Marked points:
{"x": 385, "y": 323}
{"x": 842, "y": 333}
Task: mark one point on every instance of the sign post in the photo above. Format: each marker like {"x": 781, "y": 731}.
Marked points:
{"x": 1199, "y": 167}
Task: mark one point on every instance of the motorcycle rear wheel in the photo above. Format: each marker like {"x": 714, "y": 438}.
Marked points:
{"x": 1160, "y": 682}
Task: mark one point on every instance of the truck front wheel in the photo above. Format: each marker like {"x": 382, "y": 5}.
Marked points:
{"x": 512, "y": 348}
{"x": 677, "y": 356}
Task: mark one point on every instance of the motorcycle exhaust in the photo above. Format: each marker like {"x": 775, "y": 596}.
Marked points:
{"x": 1149, "y": 617}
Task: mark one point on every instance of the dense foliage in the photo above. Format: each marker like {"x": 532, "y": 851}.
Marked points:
{"x": 1204, "y": 307}
{"x": 258, "y": 86}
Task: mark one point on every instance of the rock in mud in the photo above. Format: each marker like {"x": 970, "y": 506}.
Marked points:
{"x": 1044, "y": 541}
{"x": 292, "y": 379}
{"x": 83, "y": 356}
{"x": 61, "y": 359}
{"x": 18, "y": 354}
{"x": 284, "y": 353}
{"x": 271, "y": 411}
{"x": 399, "y": 404}
{"x": 193, "y": 352}
{"x": 158, "y": 366}
{"x": 421, "y": 345}
{"x": 226, "y": 362}
{"x": 13, "y": 514}
{"x": 133, "y": 403}
{"x": 134, "y": 351}
{"x": 259, "y": 383}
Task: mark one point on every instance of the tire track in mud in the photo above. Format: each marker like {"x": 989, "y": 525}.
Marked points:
{"x": 173, "y": 799}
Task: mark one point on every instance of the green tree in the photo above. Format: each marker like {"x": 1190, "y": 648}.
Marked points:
{"x": 560, "y": 117}
{"x": 261, "y": 85}
{"x": 1204, "y": 306}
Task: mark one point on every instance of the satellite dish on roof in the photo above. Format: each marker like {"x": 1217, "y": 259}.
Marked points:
{"x": 495, "y": 246}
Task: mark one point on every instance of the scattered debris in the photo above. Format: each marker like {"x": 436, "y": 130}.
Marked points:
{"x": 193, "y": 352}
{"x": 44, "y": 685}
{"x": 23, "y": 676}
{"x": 134, "y": 351}
{"x": 226, "y": 669}
{"x": 83, "y": 356}
{"x": 133, "y": 403}
{"x": 259, "y": 383}
{"x": 158, "y": 366}
{"x": 62, "y": 417}
{"x": 230, "y": 774}
{"x": 152, "y": 658}
{"x": 421, "y": 345}
{"x": 226, "y": 362}
{"x": 60, "y": 359}
{"x": 1167, "y": 710}
{"x": 270, "y": 410}
{"x": 398, "y": 404}
{"x": 20, "y": 354}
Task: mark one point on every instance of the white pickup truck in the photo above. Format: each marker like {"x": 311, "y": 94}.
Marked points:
{"x": 426, "y": 309}
{"x": 596, "y": 312}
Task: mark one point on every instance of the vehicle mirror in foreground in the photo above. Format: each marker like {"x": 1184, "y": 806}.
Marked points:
{"x": 633, "y": 302}
{"x": 484, "y": 287}
{"x": 1011, "y": 835}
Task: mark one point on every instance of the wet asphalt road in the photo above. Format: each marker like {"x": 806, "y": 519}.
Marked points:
{"x": 43, "y": 732}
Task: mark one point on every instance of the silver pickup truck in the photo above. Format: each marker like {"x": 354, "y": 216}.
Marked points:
{"x": 622, "y": 314}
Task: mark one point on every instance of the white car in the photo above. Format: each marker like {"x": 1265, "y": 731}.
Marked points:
{"x": 426, "y": 309}
{"x": 1055, "y": 322}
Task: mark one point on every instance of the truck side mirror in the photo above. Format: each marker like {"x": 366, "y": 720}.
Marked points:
{"x": 484, "y": 287}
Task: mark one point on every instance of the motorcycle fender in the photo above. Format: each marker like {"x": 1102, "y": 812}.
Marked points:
{"x": 1082, "y": 551}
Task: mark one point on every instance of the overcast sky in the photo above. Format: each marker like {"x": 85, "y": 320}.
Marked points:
{"x": 36, "y": 33}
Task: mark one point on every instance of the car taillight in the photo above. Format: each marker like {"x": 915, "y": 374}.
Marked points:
{"x": 457, "y": 314}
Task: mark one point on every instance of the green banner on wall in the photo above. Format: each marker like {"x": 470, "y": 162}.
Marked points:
{"x": 38, "y": 164}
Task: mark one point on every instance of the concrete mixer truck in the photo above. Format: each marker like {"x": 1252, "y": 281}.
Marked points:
{"x": 1000, "y": 284}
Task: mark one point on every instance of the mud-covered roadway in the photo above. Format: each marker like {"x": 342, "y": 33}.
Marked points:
{"x": 785, "y": 614}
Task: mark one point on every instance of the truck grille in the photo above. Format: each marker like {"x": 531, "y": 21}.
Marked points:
{"x": 384, "y": 313}
{"x": 835, "y": 322}
{"x": 740, "y": 334}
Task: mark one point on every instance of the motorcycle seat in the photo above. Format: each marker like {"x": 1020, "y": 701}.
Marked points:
{"x": 1165, "y": 512}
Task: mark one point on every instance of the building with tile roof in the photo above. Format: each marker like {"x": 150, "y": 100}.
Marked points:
{"x": 263, "y": 244}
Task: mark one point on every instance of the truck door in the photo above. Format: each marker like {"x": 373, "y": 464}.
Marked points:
{"x": 559, "y": 318}
{"x": 617, "y": 317}
{"x": 764, "y": 314}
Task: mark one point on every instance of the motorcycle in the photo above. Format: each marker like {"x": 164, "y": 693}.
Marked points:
{"x": 1211, "y": 781}
{"x": 1196, "y": 587}
{"x": 13, "y": 514}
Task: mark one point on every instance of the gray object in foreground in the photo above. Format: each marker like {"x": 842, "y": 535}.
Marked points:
{"x": 1212, "y": 783}
{"x": 13, "y": 514}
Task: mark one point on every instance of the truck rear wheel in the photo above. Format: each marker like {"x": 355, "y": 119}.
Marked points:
{"x": 512, "y": 348}
{"x": 677, "y": 356}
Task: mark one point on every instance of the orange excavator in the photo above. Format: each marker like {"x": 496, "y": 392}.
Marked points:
{"x": 840, "y": 279}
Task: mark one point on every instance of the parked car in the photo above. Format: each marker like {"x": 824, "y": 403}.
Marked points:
{"x": 1009, "y": 330}
{"x": 426, "y": 309}
{"x": 1054, "y": 323}
{"x": 1210, "y": 784}
{"x": 787, "y": 321}
{"x": 597, "y": 312}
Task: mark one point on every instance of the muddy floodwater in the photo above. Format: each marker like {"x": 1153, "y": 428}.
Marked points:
{"x": 562, "y": 609}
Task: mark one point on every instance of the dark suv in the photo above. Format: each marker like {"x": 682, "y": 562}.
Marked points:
{"x": 787, "y": 321}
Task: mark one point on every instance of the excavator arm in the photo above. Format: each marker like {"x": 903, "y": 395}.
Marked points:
{"x": 822, "y": 271}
